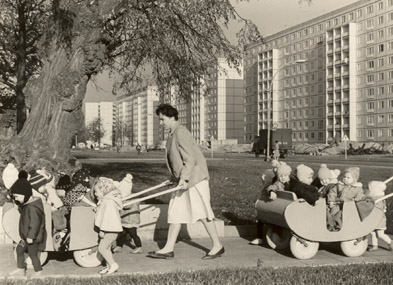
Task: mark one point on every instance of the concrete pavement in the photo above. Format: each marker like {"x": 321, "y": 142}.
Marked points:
{"x": 188, "y": 255}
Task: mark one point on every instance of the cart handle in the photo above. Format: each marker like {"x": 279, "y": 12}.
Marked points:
{"x": 386, "y": 196}
{"x": 152, "y": 196}
{"x": 167, "y": 182}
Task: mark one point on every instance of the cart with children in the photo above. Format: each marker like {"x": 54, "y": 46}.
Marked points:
{"x": 302, "y": 224}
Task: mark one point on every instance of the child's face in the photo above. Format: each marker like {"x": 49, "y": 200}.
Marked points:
{"x": 348, "y": 178}
{"x": 325, "y": 182}
{"x": 19, "y": 198}
{"x": 284, "y": 178}
{"x": 308, "y": 179}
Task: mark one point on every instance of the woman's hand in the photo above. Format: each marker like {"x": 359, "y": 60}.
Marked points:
{"x": 183, "y": 184}
{"x": 29, "y": 240}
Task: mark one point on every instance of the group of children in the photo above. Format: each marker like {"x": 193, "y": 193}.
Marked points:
{"x": 31, "y": 190}
{"x": 325, "y": 185}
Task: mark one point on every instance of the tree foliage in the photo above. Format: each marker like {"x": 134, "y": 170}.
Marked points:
{"x": 95, "y": 130}
{"x": 22, "y": 23}
{"x": 177, "y": 40}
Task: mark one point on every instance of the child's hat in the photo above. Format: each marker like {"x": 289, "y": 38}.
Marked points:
{"x": 376, "y": 187}
{"x": 82, "y": 176}
{"x": 303, "y": 172}
{"x": 355, "y": 172}
{"x": 284, "y": 169}
{"x": 39, "y": 178}
{"x": 10, "y": 175}
{"x": 22, "y": 187}
{"x": 324, "y": 172}
{"x": 128, "y": 178}
{"x": 275, "y": 163}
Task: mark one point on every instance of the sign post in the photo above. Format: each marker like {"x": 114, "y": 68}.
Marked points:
{"x": 345, "y": 139}
{"x": 211, "y": 144}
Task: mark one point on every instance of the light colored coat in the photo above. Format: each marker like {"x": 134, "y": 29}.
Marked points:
{"x": 184, "y": 158}
{"x": 108, "y": 213}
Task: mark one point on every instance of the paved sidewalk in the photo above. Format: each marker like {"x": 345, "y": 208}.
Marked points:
{"x": 188, "y": 255}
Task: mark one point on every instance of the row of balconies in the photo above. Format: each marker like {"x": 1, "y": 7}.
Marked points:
{"x": 337, "y": 113}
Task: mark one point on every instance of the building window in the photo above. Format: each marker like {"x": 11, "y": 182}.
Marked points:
{"x": 359, "y": 13}
{"x": 369, "y": 9}
{"x": 370, "y": 50}
{"x": 369, "y": 23}
{"x": 381, "y": 76}
{"x": 381, "y": 118}
{"x": 380, "y": 5}
{"x": 370, "y": 120}
{"x": 359, "y": 133}
{"x": 370, "y": 64}
{"x": 370, "y": 92}
{"x": 390, "y": 118}
{"x": 380, "y": 48}
{"x": 380, "y": 34}
{"x": 390, "y": 132}
{"x": 370, "y": 78}
{"x": 370, "y": 37}
{"x": 370, "y": 106}
{"x": 381, "y": 62}
{"x": 381, "y": 104}
{"x": 381, "y": 90}
{"x": 370, "y": 134}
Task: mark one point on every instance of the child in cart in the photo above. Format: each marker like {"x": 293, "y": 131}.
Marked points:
{"x": 283, "y": 172}
{"x": 301, "y": 185}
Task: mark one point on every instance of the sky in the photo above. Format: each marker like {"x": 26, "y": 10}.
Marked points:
{"x": 270, "y": 16}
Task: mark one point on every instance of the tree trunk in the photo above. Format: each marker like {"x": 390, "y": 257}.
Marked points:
{"x": 56, "y": 98}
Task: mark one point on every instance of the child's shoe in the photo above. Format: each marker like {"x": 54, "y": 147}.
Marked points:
{"x": 18, "y": 272}
{"x": 136, "y": 250}
{"x": 257, "y": 241}
{"x": 372, "y": 248}
{"x": 104, "y": 270}
{"x": 113, "y": 268}
{"x": 117, "y": 249}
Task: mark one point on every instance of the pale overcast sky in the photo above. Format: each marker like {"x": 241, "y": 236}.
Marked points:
{"x": 271, "y": 16}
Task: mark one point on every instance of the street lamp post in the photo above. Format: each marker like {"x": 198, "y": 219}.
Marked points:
{"x": 269, "y": 98}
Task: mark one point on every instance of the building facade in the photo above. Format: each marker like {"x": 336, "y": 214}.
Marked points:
{"x": 325, "y": 78}
{"x": 217, "y": 115}
{"x": 104, "y": 112}
{"x": 136, "y": 118}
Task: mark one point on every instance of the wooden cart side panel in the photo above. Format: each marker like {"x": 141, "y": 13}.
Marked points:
{"x": 309, "y": 222}
{"x": 83, "y": 234}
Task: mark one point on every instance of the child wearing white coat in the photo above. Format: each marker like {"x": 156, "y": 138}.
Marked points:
{"x": 108, "y": 220}
{"x": 376, "y": 190}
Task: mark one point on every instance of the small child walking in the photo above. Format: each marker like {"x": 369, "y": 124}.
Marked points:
{"x": 376, "y": 190}
{"x": 31, "y": 226}
{"x": 130, "y": 218}
{"x": 108, "y": 220}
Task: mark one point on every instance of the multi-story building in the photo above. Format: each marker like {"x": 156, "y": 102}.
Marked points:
{"x": 105, "y": 113}
{"x": 327, "y": 77}
{"x": 219, "y": 114}
{"x": 136, "y": 118}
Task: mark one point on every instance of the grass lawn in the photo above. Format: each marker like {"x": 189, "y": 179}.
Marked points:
{"x": 350, "y": 274}
{"x": 234, "y": 178}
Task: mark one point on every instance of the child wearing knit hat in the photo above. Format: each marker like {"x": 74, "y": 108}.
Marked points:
{"x": 302, "y": 186}
{"x": 328, "y": 179}
{"x": 376, "y": 190}
{"x": 31, "y": 226}
{"x": 282, "y": 183}
{"x": 349, "y": 189}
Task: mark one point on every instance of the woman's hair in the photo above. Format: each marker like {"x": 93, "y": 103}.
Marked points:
{"x": 167, "y": 110}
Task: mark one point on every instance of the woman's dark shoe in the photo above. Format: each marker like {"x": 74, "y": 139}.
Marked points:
{"x": 217, "y": 254}
{"x": 167, "y": 255}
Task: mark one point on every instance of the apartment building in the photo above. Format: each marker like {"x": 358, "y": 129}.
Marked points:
{"x": 217, "y": 115}
{"x": 327, "y": 77}
{"x": 136, "y": 118}
{"x": 104, "y": 112}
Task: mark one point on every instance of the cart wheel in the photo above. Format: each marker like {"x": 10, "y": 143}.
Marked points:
{"x": 277, "y": 237}
{"x": 42, "y": 255}
{"x": 354, "y": 248}
{"x": 88, "y": 257}
{"x": 303, "y": 249}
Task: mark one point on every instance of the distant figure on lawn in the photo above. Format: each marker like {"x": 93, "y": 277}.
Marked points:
{"x": 276, "y": 152}
{"x": 188, "y": 167}
{"x": 138, "y": 148}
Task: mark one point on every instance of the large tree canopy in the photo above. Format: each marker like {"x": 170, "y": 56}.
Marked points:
{"x": 21, "y": 25}
{"x": 177, "y": 39}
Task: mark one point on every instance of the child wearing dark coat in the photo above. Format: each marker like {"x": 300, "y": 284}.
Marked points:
{"x": 301, "y": 185}
{"x": 31, "y": 226}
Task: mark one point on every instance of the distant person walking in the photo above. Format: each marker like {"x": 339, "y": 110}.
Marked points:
{"x": 276, "y": 152}
{"x": 188, "y": 167}
{"x": 138, "y": 148}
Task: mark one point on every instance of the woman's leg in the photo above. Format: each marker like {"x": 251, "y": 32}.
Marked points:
{"x": 212, "y": 231}
{"x": 104, "y": 248}
{"x": 173, "y": 232}
{"x": 381, "y": 234}
{"x": 134, "y": 236}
